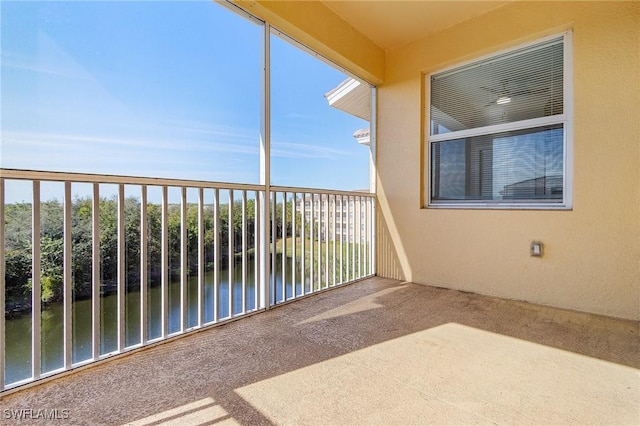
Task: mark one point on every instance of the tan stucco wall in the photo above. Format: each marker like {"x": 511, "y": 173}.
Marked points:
{"x": 592, "y": 253}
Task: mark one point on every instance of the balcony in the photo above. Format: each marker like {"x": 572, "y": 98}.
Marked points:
{"x": 378, "y": 351}
{"x": 169, "y": 340}
{"x": 123, "y": 262}
{"x": 200, "y": 302}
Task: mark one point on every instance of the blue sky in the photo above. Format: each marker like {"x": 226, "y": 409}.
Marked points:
{"x": 165, "y": 89}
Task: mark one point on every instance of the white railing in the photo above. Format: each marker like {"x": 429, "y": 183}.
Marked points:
{"x": 327, "y": 241}
{"x": 123, "y": 262}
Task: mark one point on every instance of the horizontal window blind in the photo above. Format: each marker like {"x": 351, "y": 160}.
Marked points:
{"x": 525, "y": 165}
{"x": 523, "y": 84}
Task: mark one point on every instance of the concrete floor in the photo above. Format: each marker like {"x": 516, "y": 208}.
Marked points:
{"x": 375, "y": 352}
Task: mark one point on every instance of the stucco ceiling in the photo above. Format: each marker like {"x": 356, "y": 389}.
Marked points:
{"x": 391, "y": 24}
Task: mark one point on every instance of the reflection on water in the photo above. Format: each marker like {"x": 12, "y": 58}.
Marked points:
{"x": 18, "y": 330}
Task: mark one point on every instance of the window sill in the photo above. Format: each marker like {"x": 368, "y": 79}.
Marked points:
{"x": 499, "y": 206}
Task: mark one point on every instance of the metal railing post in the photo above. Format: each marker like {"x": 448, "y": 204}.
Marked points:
{"x": 36, "y": 305}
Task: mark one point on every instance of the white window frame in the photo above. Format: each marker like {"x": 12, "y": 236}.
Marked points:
{"x": 566, "y": 119}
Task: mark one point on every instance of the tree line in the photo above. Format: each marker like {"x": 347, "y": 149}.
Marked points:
{"x": 18, "y": 243}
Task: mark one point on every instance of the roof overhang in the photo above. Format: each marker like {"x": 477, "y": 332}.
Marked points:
{"x": 363, "y": 136}
{"x": 353, "y": 97}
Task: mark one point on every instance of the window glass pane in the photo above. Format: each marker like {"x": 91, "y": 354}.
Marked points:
{"x": 320, "y": 122}
{"x": 160, "y": 89}
{"x": 518, "y": 166}
{"x": 519, "y": 85}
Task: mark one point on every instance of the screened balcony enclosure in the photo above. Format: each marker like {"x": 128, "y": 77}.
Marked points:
{"x": 161, "y": 258}
{"x": 138, "y": 190}
{"x": 256, "y": 212}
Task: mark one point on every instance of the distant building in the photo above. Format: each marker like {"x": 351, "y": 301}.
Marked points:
{"x": 342, "y": 214}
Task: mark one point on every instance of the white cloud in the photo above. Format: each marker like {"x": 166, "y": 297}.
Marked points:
{"x": 184, "y": 158}
{"x": 299, "y": 150}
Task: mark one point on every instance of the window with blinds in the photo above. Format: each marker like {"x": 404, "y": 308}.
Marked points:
{"x": 499, "y": 129}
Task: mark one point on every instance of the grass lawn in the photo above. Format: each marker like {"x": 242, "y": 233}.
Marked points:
{"x": 307, "y": 247}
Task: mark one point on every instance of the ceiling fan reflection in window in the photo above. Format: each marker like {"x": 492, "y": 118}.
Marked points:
{"x": 504, "y": 95}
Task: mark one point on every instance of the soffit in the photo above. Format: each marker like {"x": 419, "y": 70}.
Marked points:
{"x": 391, "y": 24}
{"x": 353, "y": 97}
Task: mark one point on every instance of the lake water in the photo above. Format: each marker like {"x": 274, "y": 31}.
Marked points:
{"x": 18, "y": 330}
